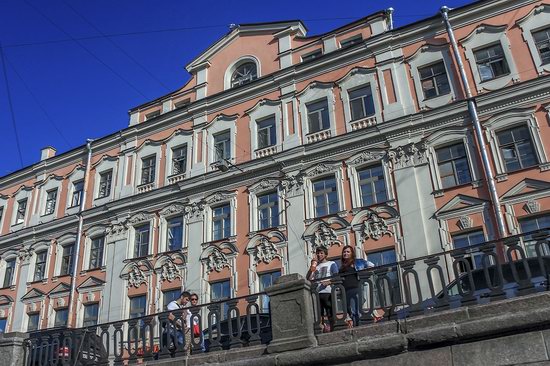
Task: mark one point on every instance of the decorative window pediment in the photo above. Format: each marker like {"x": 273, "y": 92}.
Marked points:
{"x": 170, "y": 267}
{"x": 33, "y": 295}
{"x": 136, "y": 273}
{"x": 62, "y": 289}
{"x": 266, "y": 248}
{"x": 90, "y": 284}
{"x": 527, "y": 188}
{"x": 325, "y": 233}
{"x": 375, "y": 223}
{"x": 460, "y": 205}
{"x": 316, "y": 117}
{"x": 218, "y": 257}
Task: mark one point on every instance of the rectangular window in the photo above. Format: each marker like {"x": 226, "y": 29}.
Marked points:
{"x": 175, "y": 233}
{"x": 78, "y": 188}
{"x": 516, "y": 148}
{"x": 372, "y": 185}
{"x": 383, "y": 257}
{"x": 96, "y": 252}
{"x": 141, "y": 248}
{"x": 148, "y": 167}
{"x": 91, "y": 312}
{"x": 105, "y": 181}
{"x": 152, "y": 115}
{"x": 21, "y": 211}
{"x": 137, "y": 306}
{"x": 434, "y": 80}
{"x": 491, "y": 62}
{"x": 268, "y": 210}
{"x": 221, "y": 290}
{"x": 466, "y": 240}
{"x": 221, "y": 222}
{"x": 179, "y": 160}
{"x": 9, "y": 273}
{"x": 351, "y": 41}
{"x": 325, "y": 197}
{"x": 542, "y": 42}
{"x": 317, "y": 116}
{"x": 182, "y": 103}
{"x": 40, "y": 265}
{"x": 267, "y": 280}
{"x": 34, "y": 319}
{"x": 51, "y": 198}
{"x": 61, "y": 317}
{"x": 312, "y": 55}
{"x": 3, "y": 325}
{"x": 361, "y": 103}
{"x": 168, "y": 296}
{"x": 222, "y": 146}
{"x": 533, "y": 224}
{"x": 266, "y": 133}
{"x": 453, "y": 165}
{"x": 67, "y": 260}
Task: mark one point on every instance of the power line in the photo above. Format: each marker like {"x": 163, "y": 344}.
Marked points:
{"x": 86, "y": 49}
{"x": 10, "y": 103}
{"x": 116, "y": 45}
{"x": 54, "y": 125}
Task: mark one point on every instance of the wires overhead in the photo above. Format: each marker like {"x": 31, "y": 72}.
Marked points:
{"x": 112, "y": 42}
{"x": 10, "y": 103}
{"x": 81, "y": 45}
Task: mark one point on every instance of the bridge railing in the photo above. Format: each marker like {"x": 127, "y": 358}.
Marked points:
{"x": 491, "y": 271}
{"x": 225, "y": 324}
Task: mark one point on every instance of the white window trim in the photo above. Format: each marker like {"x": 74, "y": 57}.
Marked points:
{"x": 135, "y": 221}
{"x": 37, "y": 248}
{"x": 258, "y": 189}
{"x": 39, "y": 312}
{"x": 514, "y": 118}
{"x": 356, "y": 78}
{"x": 6, "y": 257}
{"x": 165, "y": 216}
{"x": 235, "y": 64}
{"x": 91, "y": 234}
{"x": 426, "y": 56}
{"x": 179, "y": 139}
{"x": 146, "y": 150}
{"x": 321, "y": 171}
{"x": 4, "y": 208}
{"x": 537, "y": 19}
{"x": 24, "y": 193}
{"x": 316, "y": 92}
{"x": 219, "y": 125}
{"x": 364, "y": 160}
{"x": 213, "y": 201}
{"x": 445, "y": 218}
{"x": 485, "y": 36}
{"x": 52, "y": 183}
{"x": 451, "y": 136}
{"x": 107, "y": 163}
{"x": 82, "y": 303}
{"x": 76, "y": 176}
{"x": 263, "y": 109}
{"x": 62, "y": 242}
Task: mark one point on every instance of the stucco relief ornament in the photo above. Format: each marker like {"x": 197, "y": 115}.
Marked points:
{"x": 465, "y": 222}
{"x": 24, "y": 254}
{"x": 117, "y": 231}
{"x": 194, "y": 210}
{"x": 532, "y": 206}
{"x": 136, "y": 277}
{"x": 216, "y": 261}
{"x": 169, "y": 272}
{"x": 266, "y": 251}
{"x": 375, "y": 227}
{"x": 173, "y": 209}
{"x": 292, "y": 183}
{"x": 324, "y": 237}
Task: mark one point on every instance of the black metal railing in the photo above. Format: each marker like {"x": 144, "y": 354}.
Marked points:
{"x": 223, "y": 324}
{"x": 515, "y": 266}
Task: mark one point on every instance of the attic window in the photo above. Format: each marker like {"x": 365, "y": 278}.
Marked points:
{"x": 182, "y": 103}
{"x": 152, "y": 115}
{"x": 244, "y": 74}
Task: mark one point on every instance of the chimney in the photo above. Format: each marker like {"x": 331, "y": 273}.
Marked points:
{"x": 47, "y": 152}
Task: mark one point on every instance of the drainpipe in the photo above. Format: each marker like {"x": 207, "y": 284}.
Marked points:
{"x": 389, "y": 14}
{"x": 477, "y": 126}
{"x": 79, "y": 233}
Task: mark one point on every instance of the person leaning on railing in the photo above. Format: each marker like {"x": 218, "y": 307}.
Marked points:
{"x": 183, "y": 330}
{"x": 350, "y": 281}
{"x": 322, "y": 268}
{"x": 196, "y": 328}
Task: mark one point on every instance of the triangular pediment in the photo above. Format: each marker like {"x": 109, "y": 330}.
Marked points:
{"x": 237, "y": 31}
{"x": 525, "y": 187}
{"x": 60, "y": 289}
{"x": 5, "y": 300}
{"x": 33, "y": 294}
{"x": 460, "y": 202}
{"x": 91, "y": 282}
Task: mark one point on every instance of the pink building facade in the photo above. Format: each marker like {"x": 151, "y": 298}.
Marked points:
{"x": 278, "y": 144}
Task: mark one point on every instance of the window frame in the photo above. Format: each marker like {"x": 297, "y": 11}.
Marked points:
{"x": 130, "y": 302}
{"x": 100, "y": 250}
{"x": 137, "y": 247}
{"x": 148, "y": 172}
{"x": 514, "y": 145}
{"x": 108, "y": 184}
{"x": 84, "y": 308}
{"x": 258, "y": 189}
{"x": 57, "y": 311}
{"x": 12, "y": 274}
{"x": 183, "y": 241}
{"x": 74, "y": 191}
{"x": 49, "y": 207}
{"x": 490, "y": 61}
{"x": 181, "y": 160}
{"x": 536, "y": 20}
{"x": 38, "y": 320}
{"x": 230, "y": 71}
{"x": 71, "y": 260}
{"x": 452, "y": 161}
{"x": 315, "y": 54}
{"x": 44, "y": 270}
{"x": 180, "y": 139}
{"x": 21, "y": 216}
{"x": 226, "y": 226}
{"x": 376, "y": 200}
{"x": 315, "y": 92}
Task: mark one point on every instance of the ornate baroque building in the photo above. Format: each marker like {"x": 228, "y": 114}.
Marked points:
{"x": 281, "y": 143}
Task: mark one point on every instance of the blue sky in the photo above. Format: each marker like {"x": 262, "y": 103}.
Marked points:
{"x": 74, "y": 67}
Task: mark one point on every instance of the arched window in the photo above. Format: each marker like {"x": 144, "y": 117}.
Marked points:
{"x": 244, "y": 74}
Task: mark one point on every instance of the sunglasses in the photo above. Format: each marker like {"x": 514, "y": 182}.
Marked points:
{"x": 194, "y": 299}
